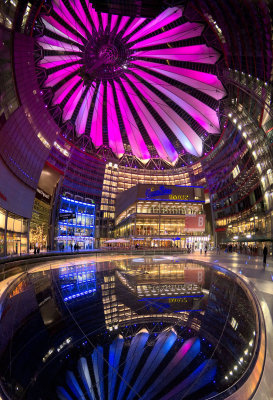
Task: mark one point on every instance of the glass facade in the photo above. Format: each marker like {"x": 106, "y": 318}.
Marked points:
{"x": 13, "y": 234}
{"x": 39, "y": 225}
{"x": 161, "y": 224}
{"x": 76, "y": 225}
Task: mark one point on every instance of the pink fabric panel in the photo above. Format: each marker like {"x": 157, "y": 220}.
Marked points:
{"x": 83, "y": 113}
{"x": 96, "y": 126}
{"x": 114, "y": 135}
{"x": 200, "y": 53}
{"x": 48, "y": 63}
{"x": 59, "y": 75}
{"x": 122, "y": 24}
{"x": 202, "y": 114}
{"x": 136, "y": 22}
{"x": 182, "y": 32}
{"x": 72, "y": 103}
{"x": 114, "y": 19}
{"x": 81, "y": 14}
{"x": 93, "y": 14}
{"x": 65, "y": 89}
{"x": 104, "y": 18}
{"x": 57, "y": 31}
{"x": 136, "y": 141}
{"x": 162, "y": 144}
{"x": 206, "y": 83}
{"x": 165, "y": 18}
{"x": 65, "y": 58}
{"x": 184, "y": 133}
{"x": 56, "y": 24}
{"x": 49, "y": 43}
{"x": 62, "y": 11}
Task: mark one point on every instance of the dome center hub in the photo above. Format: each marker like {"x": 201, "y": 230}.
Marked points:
{"x": 108, "y": 54}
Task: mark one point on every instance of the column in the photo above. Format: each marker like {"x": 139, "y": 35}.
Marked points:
{"x": 5, "y": 234}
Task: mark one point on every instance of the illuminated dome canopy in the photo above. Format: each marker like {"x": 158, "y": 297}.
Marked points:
{"x": 134, "y": 85}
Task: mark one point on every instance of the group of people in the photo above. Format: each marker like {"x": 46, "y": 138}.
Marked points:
{"x": 36, "y": 248}
{"x": 76, "y": 247}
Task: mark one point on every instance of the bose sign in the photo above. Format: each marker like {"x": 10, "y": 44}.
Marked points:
{"x": 195, "y": 223}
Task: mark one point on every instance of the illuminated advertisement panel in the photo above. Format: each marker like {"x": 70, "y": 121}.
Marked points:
{"x": 195, "y": 223}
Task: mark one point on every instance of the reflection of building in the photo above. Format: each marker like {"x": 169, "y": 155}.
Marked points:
{"x": 158, "y": 215}
{"x": 154, "y": 291}
{"x": 77, "y": 282}
{"x": 76, "y": 224}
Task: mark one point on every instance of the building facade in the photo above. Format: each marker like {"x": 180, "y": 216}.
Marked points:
{"x": 163, "y": 216}
{"x": 76, "y": 224}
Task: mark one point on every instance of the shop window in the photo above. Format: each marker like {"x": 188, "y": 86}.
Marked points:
{"x": 10, "y": 224}
{"x": 17, "y": 226}
{"x": 2, "y": 219}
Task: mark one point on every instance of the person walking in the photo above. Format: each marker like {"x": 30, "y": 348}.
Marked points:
{"x": 265, "y": 255}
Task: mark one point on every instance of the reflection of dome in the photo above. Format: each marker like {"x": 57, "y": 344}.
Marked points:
{"x": 147, "y": 87}
{"x": 163, "y": 368}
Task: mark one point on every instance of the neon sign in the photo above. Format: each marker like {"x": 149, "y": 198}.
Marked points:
{"x": 157, "y": 192}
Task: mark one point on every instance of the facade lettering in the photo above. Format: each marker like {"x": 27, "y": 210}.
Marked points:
{"x": 178, "y": 197}
{"x": 159, "y": 192}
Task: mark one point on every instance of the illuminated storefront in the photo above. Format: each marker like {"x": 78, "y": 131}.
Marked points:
{"x": 163, "y": 216}
{"x": 39, "y": 223}
{"x": 76, "y": 225}
{"x": 13, "y": 234}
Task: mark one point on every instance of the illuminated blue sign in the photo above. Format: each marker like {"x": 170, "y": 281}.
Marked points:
{"x": 159, "y": 192}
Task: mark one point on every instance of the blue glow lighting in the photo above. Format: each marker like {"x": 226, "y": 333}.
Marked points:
{"x": 76, "y": 226}
{"x": 84, "y": 220}
{"x": 78, "y": 202}
{"x": 74, "y": 296}
{"x": 78, "y": 282}
{"x": 79, "y": 213}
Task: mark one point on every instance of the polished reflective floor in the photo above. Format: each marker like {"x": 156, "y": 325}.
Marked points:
{"x": 127, "y": 327}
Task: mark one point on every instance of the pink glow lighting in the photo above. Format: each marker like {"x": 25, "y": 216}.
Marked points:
{"x": 83, "y": 113}
{"x": 59, "y": 26}
{"x": 96, "y": 126}
{"x": 110, "y": 63}
{"x": 199, "y": 53}
{"x": 72, "y": 103}
{"x": 114, "y": 19}
{"x": 136, "y": 141}
{"x": 115, "y": 140}
{"x": 123, "y": 22}
{"x": 167, "y": 17}
{"x": 136, "y": 22}
{"x": 65, "y": 89}
{"x": 184, "y": 133}
{"x": 181, "y": 32}
{"x": 206, "y": 83}
{"x": 63, "y": 13}
{"x": 57, "y": 76}
{"x": 158, "y": 137}
{"x": 104, "y": 18}
{"x": 203, "y": 114}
